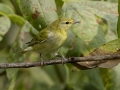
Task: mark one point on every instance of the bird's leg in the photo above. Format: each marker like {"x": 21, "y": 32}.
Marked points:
{"x": 62, "y": 58}
{"x": 41, "y": 60}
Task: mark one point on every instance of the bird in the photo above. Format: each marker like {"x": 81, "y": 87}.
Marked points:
{"x": 51, "y": 38}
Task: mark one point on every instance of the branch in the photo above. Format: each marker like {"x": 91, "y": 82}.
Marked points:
{"x": 67, "y": 60}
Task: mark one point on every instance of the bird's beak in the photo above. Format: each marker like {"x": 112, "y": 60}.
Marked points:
{"x": 74, "y": 22}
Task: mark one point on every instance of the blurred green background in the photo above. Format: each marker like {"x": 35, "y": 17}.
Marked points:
{"x": 20, "y": 20}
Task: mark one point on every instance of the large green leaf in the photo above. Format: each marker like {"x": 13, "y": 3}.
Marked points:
{"x": 5, "y": 24}
{"x": 38, "y": 12}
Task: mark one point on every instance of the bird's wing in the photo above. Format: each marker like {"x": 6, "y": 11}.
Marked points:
{"x": 41, "y": 37}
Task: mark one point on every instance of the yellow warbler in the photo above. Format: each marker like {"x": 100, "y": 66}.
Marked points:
{"x": 51, "y": 38}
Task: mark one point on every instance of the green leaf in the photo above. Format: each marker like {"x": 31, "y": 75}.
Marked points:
{"x": 38, "y": 12}
{"x": 5, "y": 24}
{"x": 112, "y": 46}
{"x": 5, "y": 9}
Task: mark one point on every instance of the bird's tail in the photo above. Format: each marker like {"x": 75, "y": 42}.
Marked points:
{"x": 24, "y": 51}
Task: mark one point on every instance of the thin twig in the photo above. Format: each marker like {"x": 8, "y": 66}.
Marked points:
{"x": 68, "y": 60}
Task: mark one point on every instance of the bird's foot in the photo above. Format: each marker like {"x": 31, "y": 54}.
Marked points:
{"x": 63, "y": 60}
{"x": 41, "y": 62}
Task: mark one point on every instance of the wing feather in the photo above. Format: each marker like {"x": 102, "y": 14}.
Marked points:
{"x": 41, "y": 37}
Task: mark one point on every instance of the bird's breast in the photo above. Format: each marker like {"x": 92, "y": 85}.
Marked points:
{"x": 57, "y": 39}
{"x": 52, "y": 43}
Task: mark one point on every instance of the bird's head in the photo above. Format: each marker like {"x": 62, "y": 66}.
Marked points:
{"x": 65, "y": 23}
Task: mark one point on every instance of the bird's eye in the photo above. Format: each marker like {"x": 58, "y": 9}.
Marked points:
{"x": 67, "y": 22}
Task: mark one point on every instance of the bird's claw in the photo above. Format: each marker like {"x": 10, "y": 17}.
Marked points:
{"x": 41, "y": 62}
{"x": 62, "y": 59}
